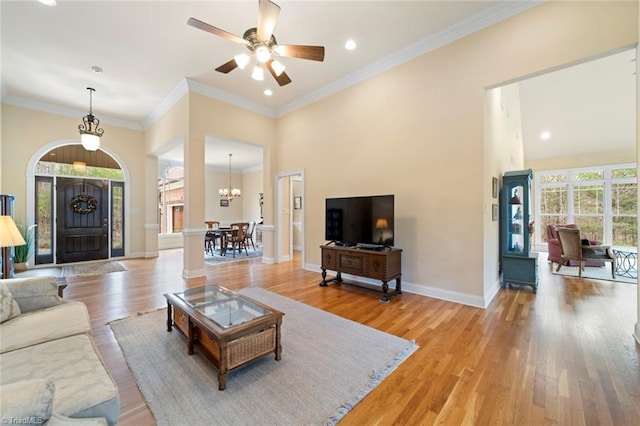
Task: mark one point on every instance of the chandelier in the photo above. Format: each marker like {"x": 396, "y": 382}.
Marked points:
{"x": 229, "y": 193}
{"x": 90, "y": 132}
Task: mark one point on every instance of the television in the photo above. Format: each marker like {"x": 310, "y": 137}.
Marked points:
{"x": 360, "y": 221}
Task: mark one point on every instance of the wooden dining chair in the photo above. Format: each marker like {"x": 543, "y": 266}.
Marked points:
{"x": 235, "y": 239}
{"x": 248, "y": 236}
{"x": 211, "y": 237}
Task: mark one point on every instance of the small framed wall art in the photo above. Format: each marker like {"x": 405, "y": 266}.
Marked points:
{"x": 224, "y": 203}
{"x": 494, "y": 212}
{"x": 494, "y": 187}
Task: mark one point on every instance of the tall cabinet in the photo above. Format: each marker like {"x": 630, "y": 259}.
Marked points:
{"x": 519, "y": 266}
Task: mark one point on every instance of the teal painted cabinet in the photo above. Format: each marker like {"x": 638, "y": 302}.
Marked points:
{"x": 518, "y": 265}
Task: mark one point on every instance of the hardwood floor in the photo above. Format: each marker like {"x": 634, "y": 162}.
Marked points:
{"x": 564, "y": 356}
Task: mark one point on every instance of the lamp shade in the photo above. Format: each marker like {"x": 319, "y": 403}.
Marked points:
{"x": 382, "y": 223}
{"x": 90, "y": 142}
{"x": 10, "y": 236}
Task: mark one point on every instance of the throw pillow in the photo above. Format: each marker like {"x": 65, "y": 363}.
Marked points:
{"x": 27, "y": 401}
{"x": 8, "y": 306}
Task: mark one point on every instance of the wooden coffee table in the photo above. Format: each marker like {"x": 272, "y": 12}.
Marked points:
{"x": 229, "y": 329}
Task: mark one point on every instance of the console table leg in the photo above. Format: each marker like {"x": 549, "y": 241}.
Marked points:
{"x": 398, "y": 286}
{"x": 385, "y": 292}
{"x": 323, "y": 283}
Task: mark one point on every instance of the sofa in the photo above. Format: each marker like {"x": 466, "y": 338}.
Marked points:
{"x": 555, "y": 251}
{"x": 50, "y": 370}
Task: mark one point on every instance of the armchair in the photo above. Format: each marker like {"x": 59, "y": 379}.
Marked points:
{"x": 572, "y": 249}
{"x": 555, "y": 251}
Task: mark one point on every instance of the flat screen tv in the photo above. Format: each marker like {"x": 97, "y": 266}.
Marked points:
{"x": 363, "y": 221}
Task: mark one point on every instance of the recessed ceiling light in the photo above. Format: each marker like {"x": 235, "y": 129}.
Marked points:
{"x": 268, "y": 92}
{"x": 350, "y": 45}
{"x": 96, "y": 69}
{"x": 48, "y": 2}
{"x": 545, "y": 135}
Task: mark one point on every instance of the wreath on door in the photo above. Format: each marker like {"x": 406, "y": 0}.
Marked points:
{"x": 83, "y": 204}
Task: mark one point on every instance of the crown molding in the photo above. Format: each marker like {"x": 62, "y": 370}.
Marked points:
{"x": 174, "y": 96}
{"x": 474, "y": 23}
{"x": 210, "y": 92}
{"x": 67, "y": 112}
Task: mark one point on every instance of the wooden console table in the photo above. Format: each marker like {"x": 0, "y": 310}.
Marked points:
{"x": 384, "y": 265}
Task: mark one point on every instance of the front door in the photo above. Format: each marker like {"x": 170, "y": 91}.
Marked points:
{"x": 82, "y": 220}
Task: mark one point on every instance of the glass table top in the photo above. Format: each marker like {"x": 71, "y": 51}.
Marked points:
{"x": 224, "y": 307}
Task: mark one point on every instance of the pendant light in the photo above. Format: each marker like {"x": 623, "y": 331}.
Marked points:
{"x": 90, "y": 132}
{"x": 229, "y": 193}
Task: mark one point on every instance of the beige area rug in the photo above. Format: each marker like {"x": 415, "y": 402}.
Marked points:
{"x": 328, "y": 365}
{"x": 594, "y": 272}
{"x": 86, "y": 269}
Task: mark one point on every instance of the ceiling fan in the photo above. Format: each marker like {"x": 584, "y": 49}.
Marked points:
{"x": 262, "y": 44}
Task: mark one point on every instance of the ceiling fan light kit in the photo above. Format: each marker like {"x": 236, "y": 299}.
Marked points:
{"x": 262, "y": 44}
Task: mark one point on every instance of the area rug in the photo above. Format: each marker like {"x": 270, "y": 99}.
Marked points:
{"x": 594, "y": 272}
{"x": 215, "y": 258}
{"x": 86, "y": 269}
{"x": 328, "y": 365}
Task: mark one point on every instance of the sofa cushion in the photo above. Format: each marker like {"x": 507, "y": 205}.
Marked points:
{"x": 84, "y": 387}
{"x": 35, "y": 327}
{"x": 27, "y": 401}
{"x": 59, "y": 420}
{"x": 8, "y": 306}
{"x": 34, "y": 293}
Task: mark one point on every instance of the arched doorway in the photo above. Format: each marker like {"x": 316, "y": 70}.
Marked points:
{"x": 77, "y": 199}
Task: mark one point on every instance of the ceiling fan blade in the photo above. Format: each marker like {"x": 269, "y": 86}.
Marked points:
{"x": 268, "y": 13}
{"x": 196, "y": 23}
{"x": 282, "y": 79}
{"x": 314, "y": 53}
{"x": 227, "y": 66}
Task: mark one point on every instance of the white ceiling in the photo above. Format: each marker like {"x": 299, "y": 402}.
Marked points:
{"x": 147, "y": 50}
{"x": 587, "y": 108}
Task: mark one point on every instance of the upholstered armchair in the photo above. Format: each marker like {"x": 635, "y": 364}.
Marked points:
{"x": 574, "y": 250}
{"x": 555, "y": 251}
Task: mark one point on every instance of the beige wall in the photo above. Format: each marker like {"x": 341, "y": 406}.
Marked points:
{"x": 252, "y": 186}
{"x": 21, "y": 140}
{"x": 215, "y": 180}
{"x": 417, "y": 131}
{"x": 503, "y": 151}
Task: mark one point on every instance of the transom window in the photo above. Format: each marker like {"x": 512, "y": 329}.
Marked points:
{"x": 602, "y": 201}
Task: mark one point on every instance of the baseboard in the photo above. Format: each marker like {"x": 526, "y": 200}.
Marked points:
{"x": 423, "y": 290}
{"x": 491, "y": 294}
{"x": 193, "y": 274}
{"x": 268, "y": 260}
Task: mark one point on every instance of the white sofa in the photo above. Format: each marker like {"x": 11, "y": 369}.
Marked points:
{"x": 50, "y": 370}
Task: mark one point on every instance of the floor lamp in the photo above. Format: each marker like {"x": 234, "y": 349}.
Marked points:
{"x": 9, "y": 237}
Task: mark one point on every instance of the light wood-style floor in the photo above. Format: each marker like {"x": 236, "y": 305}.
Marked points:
{"x": 564, "y": 356}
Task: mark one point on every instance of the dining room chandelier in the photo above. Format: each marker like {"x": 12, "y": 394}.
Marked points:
{"x": 90, "y": 131}
{"x": 229, "y": 193}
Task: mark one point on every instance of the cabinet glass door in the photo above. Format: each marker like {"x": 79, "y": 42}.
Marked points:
{"x": 516, "y": 227}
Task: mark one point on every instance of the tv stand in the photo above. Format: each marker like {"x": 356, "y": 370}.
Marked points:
{"x": 382, "y": 265}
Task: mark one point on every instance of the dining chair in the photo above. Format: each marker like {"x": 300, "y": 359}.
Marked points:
{"x": 235, "y": 239}
{"x": 248, "y": 236}
{"x": 572, "y": 249}
{"x": 212, "y": 236}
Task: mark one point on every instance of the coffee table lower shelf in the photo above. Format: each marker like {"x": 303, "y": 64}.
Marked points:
{"x": 226, "y": 352}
